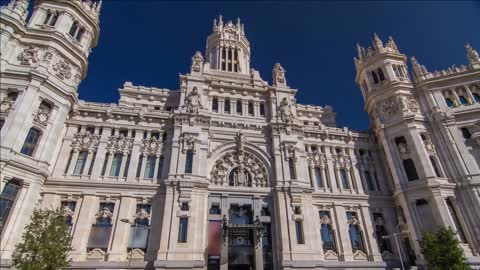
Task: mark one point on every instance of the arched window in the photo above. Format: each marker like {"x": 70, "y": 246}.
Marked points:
{"x": 262, "y": 110}
{"x": 189, "y": 161}
{"x": 31, "y": 142}
{"x": 73, "y": 28}
{"x": 374, "y": 77}
{"x": 150, "y": 166}
{"x": 356, "y": 238}
{"x": 326, "y": 232}
{"x": 463, "y": 100}
{"x": 344, "y": 179}
{"x": 476, "y": 97}
{"x": 291, "y": 168}
{"x": 80, "y": 165}
{"x": 380, "y": 75}
{"x": 239, "y": 107}
{"x": 410, "y": 169}
{"x": 226, "y": 107}
{"x": 449, "y": 102}
{"x": 116, "y": 163}
{"x": 215, "y": 104}
{"x": 435, "y": 167}
{"x": 250, "y": 108}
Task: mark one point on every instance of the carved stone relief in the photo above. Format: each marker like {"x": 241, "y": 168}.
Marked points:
{"x": 120, "y": 144}
{"x": 86, "y": 141}
{"x": 284, "y": 111}
{"x": 28, "y": 56}
{"x": 63, "y": 69}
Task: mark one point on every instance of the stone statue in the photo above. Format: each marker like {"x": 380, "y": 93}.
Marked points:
{"x": 197, "y": 62}
{"x": 472, "y": 55}
{"x": 284, "y": 111}
{"x": 240, "y": 177}
{"x": 192, "y": 101}
{"x": 278, "y": 75}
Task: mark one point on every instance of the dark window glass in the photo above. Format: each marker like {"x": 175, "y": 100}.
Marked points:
{"x": 456, "y": 220}
{"x": 31, "y": 141}
{"x": 326, "y": 232}
{"x": 116, "y": 163}
{"x": 140, "y": 230}
{"x": 262, "y": 109}
{"x": 160, "y": 167}
{"x": 107, "y": 156}
{"x": 184, "y": 206}
{"x": 265, "y": 212}
{"x": 318, "y": 177}
{"x": 139, "y": 167}
{"x": 299, "y": 232}
{"x": 80, "y": 33}
{"x": 215, "y": 209}
{"x": 227, "y": 106}
{"x": 466, "y": 133}
{"x": 368, "y": 179}
{"x": 355, "y": 237}
{"x": 215, "y": 105}
{"x": 239, "y": 107}
{"x": 250, "y": 108}
{"x": 92, "y": 163}
{"x": 435, "y": 168}
{"x": 410, "y": 169}
{"x": 189, "y": 162}
{"x": 2, "y": 122}
{"x": 183, "y": 230}
{"x": 380, "y": 75}
{"x": 374, "y": 77}
{"x": 449, "y": 102}
{"x": 150, "y": 166}
{"x": 344, "y": 178}
{"x": 73, "y": 29}
{"x": 68, "y": 162}
{"x": 476, "y": 97}
{"x": 54, "y": 19}
{"x": 127, "y": 165}
{"x": 7, "y": 199}
{"x": 80, "y": 165}
{"x": 463, "y": 100}
{"x": 291, "y": 168}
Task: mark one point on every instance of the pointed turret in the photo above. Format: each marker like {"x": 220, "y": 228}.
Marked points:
{"x": 377, "y": 43}
{"x": 17, "y": 9}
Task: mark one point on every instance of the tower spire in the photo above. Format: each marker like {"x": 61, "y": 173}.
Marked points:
{"x": 377, "y": 42}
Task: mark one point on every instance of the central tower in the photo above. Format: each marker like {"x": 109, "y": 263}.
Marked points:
{"x": 227, "y": 47}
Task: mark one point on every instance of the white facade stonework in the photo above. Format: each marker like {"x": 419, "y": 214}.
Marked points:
{"x": 229, "y": 171}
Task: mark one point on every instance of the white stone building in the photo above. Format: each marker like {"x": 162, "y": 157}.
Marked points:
{"x": 229, "y": 171}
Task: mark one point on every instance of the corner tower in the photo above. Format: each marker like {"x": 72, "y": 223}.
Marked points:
{"x": 227, "y": 47}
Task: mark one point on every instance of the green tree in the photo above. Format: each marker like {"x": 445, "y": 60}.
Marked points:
{"x": 442, "y": 250}
{"x": 46, "y": 242}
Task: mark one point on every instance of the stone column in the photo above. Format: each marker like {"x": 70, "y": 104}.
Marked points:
{"x": 256, "y": 109}
{"x": 155, "y": 172}
{"x": 233, "y": 106}
{"x": 257, "y": 208}
{"x": 221, "y": 105}
{"x": 121, "y": 235}
{"x": 331, "y": 170}
{"x": 122, "y": 166}
{"x": 369, "y": 234}
{"x": 135, "y": 156}
{"x": 143, "y": 166}
{"x": 109, "y": 164}
{"x": 343, "y": 236}
{"x": 101, "y": 152}
{"x": 89, "y": 207}
{"x": 64, "y": 153}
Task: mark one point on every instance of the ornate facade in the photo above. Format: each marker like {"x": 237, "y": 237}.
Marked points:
{"x": 229, "y": 171}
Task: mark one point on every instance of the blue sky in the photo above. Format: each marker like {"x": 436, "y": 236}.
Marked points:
{"x": 150, "y": 42}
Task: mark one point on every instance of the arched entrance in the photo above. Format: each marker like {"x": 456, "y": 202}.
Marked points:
{"x": 240, "y": 207}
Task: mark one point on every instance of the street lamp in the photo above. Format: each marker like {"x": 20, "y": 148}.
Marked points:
{"x": 398, "y": 246}
{"x": 133, "y": 239}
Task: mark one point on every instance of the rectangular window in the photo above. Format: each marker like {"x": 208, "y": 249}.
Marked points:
{"x": 456, "y": 220}
{"x": 189, "y": 162}
{"x": 368, "y": 179}
{"x": 215, "y": 105}
{"x": 318, "y": 177}
{"x": 92, "y": 163}
{"x": 160, "y": 167}
{"x": 299, "y": 232}
{"x": 326, "y": 231}
{"x": 80, "y": 165}
{"x": 262, "y": 110}
{"x": 68, "y": 162}
{"x": 226, "y": 107}
{"x": 127, "y": 165}
{"x": 250, "y": 108}
{"x": 7, "y": 199}
{"x": 183, "y": 230}
{"x": 31, "y": 141}
{"x": 344, "y": 178}
{"x": 104, "y": 168}
{"x": 291, "y": 167}
{"x": 116, "y": 163}
{"x": 140, "y": 230}
{"x": 150, "y": 166}
{"x": 102, "y": 229}
{"x": 239, "y": 107}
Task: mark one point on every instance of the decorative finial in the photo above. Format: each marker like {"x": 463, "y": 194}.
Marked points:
{"x": 360, "y": 52}
{"x": 238, "y": 23}
{"x": 418, "y": 69}
{"x": 377, "y": 42}
{"x": 278, "y": 75}
{"x": 391, "y": 44}
{"x": 220, "y": 21}
{"x": 472, "y": 55}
